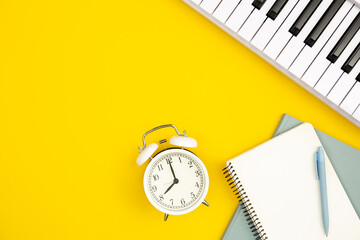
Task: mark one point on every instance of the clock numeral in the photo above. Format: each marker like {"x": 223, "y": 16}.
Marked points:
{"x": 161, "y": 197}
{"x": 169, "y": 160}
{"x": 190, "y": 164}
{"x": 197, "y": 184}
{"x": 197, "y": 173}
{"x": 154, "y": 188}
{"x": 179, "y": 159}
{"x": 156, "y": 177}
{"x": 192, "y": 195}
{"x": 182, "y": 201}
{"x": 160, "y": 167}
{"x": 172, "y": 201}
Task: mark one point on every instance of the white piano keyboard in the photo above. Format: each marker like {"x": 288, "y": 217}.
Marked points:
{"x": 314, "y": 42}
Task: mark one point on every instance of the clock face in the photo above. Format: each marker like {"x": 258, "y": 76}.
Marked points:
{"x": 176, "y": 181}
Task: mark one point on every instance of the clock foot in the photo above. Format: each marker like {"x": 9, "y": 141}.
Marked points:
{"x": 166, "y": 216}
{"x": 205, "y": 203}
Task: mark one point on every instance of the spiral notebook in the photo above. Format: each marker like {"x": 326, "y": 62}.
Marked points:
{"x": 280, "y": 191}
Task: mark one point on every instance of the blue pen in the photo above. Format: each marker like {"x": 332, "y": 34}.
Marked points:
{"x": 321, "y": 175}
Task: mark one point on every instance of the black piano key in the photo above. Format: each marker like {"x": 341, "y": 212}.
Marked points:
{"x": 358, "y": 77}
{"x": 352, "y": 60}
{"x": 276, "y": 9}
{"x": 344, "y": 40}
{"x": 304, "y": 17}
{"x": 323, "y": 22}
{"x": 258, "y": 3}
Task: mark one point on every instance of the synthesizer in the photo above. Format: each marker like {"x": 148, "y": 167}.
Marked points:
{"x": 314, "y": 42}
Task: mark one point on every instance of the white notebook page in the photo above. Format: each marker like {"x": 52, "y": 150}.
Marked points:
{"x": 280, "y": 180}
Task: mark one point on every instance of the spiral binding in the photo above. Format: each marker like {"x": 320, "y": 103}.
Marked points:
{"x": 240, "y": 193}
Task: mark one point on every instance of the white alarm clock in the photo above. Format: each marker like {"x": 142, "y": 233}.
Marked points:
{"x": 175, "y": 181}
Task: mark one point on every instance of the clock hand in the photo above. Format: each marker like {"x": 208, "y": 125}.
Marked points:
{"x": 172, "y": 170}
{"x": 176, "y": 181}
{"x": 169, "y": 188}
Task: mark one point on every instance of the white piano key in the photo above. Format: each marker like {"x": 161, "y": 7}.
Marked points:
{"x": 329, "y": 79}
{"x": 283, "y": 35}
{"x": 343, "y": 86}
{"x": 209, "y": 5}
{"x": 352, "y": 100}
{"x": 296, "y": 44}
{"x": 255, "y": 20}
{"x": 270, "y": 26}
{"x": 240, "y": 14}
{"x": 197, "y": 1}
{"x": 318, "y": 66}
{"x": 357, "y": 113}
{"x": 331, "y": 76}
{"x": 308, "y": 54}
{"x": 225, "y": 8}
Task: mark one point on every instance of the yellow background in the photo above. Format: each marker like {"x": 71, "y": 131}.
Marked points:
{"x": 81, "y": 81}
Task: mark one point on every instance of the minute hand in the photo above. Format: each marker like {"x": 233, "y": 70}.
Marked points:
{"x": 172, "y": 170}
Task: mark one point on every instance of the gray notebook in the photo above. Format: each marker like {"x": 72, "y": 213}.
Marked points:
{"x": 345, "y": 160}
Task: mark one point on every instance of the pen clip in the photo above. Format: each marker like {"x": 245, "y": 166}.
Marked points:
{"x": 317, "y": 165}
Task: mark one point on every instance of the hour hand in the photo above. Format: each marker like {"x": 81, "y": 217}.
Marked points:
{"x": 169, "y": 188}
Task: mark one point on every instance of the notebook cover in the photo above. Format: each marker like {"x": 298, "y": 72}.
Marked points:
{"x": 345, "y": 160}
{"x": 239, "y": 226}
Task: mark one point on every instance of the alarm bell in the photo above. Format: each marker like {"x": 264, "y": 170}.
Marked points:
{"x": 146, "y": 153}
{"x": 183, "y": 141}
